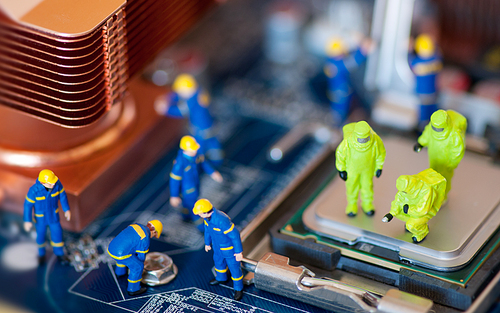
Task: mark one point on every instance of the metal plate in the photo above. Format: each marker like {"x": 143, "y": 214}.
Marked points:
{"x": 457, "y": 232}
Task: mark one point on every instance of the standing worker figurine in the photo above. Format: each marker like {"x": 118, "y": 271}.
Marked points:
{"x": 44, "y": 196}
{"x": 444, "y": 138}
{"x": 188, "y": 100}
{"x": 185, "y": 178}
{"x": 224, "y": 238}
{"x": 418, "y": 200}
{"x": 426, "y": 65}
{"x": 359, "y": 157}
{"x": 337, "y": 68}
{"x": 129, "y": 249}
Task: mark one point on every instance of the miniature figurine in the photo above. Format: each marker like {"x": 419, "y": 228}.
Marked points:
{"x": 418, "y": 200}
{"x": 129, "y": 249}
{"x": 44, "y": 197}
{"x": 444, "y": 138}
{"x": 426, "y": 65}
{"x": 188, "y": 100}
{"x": 185, "y": 177}
{"x": 337, "y": 68}
{"x": 221, "y": 234}
{"x": 359, "y": 157}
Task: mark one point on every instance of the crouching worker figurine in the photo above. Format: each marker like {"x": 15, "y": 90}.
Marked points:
{"x": 129, "y": 249}
{"x": 418, "y": 200}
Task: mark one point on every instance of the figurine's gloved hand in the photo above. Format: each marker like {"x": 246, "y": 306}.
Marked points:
{"x": 405, "y": 208}
{"x": 67, "y": 215}
{"x": 27, "y": 226}
{"x": 387, "y": 218}
{"x": 343, "y": 175}
{"x": 217, "y": 177}
{"x": 175, "y": 201}
{"x": 239, "y": 256}
{"x": 417, "y": 147}
{"x": 161, "y": 105}
{"x": 207, "y": 248}
{"x": 378, "y": 173}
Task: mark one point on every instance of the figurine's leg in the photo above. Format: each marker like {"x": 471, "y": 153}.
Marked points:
{"x": 340, "y": 102}
{"x": 136, "y": 267}
{"x": 444, "y": 170}
{"x": 352, "y": 186}
{"x": 120, "y": 269}
{"x": 188, "y": 201}
{"x": 236, "y": 273}
{"x": 56, "y": 238}
{"x": 367, "y": 193}
{"x": 41, "y": 230}
{"x": 220, "y": 267}
{"x": 418, "y": 228}
{"x": 428, "y": 105}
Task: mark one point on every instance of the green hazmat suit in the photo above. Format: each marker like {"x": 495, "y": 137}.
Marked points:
{"x": 361, "y": 154}
{"x": 423, "y": 194}
{"x": 444, "y": 138}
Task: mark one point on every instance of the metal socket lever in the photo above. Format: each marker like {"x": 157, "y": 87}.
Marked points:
{"x": 294, "y": 137}
{"x": 273, "y": 273}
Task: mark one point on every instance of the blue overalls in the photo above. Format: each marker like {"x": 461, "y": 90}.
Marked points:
{"x": 200, "y": 122}
{"x": 339, "y": 89}
{"x": 426, "y": 71}
{"x": 225, "y": 239}
{"x": 185, "y": 180}
{"x": 129, "y": 249}
{"x": 46, "y": 204}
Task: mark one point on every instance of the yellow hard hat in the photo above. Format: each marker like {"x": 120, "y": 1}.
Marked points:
{"x": 188, "y": 143}
{"x": 202, "y": 206}
{"x": 335, "y": 48}
{"x": 47, "y": 176}
{"x": 158, "y": 227}
{"x": 183, "y": 83}
{"x": 424, "y": 46}
{"x": 439, "y": 119}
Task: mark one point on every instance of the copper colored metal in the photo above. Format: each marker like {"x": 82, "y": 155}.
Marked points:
{"x": 94, "y": 164}
{"x": 68, "y": 62}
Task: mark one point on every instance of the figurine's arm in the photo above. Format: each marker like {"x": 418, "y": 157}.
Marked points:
{"x": 340, "y": 159}
{"x": 380, "y": 157}
{"x": 142, "y": 249}
{"x": 456, "y": 153}
{"x": 208, "y": 238}
{"x": 209, "y": 169}
{"x": 174, "y": 109}
{"x": 234, "y": 235}
{"x": 175, "y": 182}
{"x": 63, "y": 198}
{"x": 29, "y": 203}
{"x": 395, "y": 210}
{"x": 423, "y": 140}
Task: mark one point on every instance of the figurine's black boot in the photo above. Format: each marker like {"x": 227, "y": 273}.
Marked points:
{"x": 214, "y": 282}
{"x": 416, "y": 241}
{"x": 238, "y": 294}
{"x": 370, "y": 213}
{"x": 138, "y": 292}
{"x": 63, "y": 259}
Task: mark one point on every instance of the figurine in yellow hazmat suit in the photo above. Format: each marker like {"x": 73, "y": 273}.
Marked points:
{"x": 359, "y": 157}
{"x": 444, "y": 138}
{"x": 418, "y": 200}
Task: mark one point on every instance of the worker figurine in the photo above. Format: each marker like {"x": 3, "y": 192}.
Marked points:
{"x": 185, "y": 177}
{"x": 339, "y": 64}
{"x": 359, "y": 157}
{"x": 426, "y": 65}
{"x": 224, "y": 238}
{"x": 444, "y": 138}
{"x": 418, "y": 200}
{"x": 129, "y": 249}
{"x": 44, "y": 196}
{"x": 188, "y": 100}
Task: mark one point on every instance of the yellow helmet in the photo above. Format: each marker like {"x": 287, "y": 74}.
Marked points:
{"x": 202, "y": 206}
{"x": 184, "y": 83}
{"x": 335, "y": 48}
{"x": 188, "y": 143}
{"x": 439, "y": 119}
{"x": 424, "y": 46}
{"x": 158, "y": 227}
{"x": 47, "y": 176}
